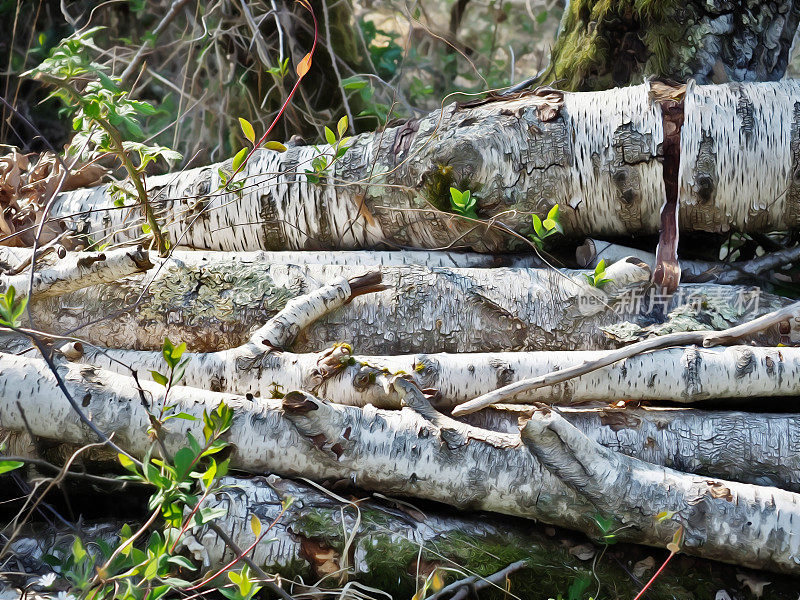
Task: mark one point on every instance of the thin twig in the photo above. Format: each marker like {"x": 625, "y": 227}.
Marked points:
{"x": 700, "y": 338}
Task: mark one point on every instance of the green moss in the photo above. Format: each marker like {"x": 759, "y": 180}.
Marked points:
{"x": 596, "y": 51}
{"x": 437, "y": 187}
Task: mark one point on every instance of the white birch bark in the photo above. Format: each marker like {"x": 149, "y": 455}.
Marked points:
{"x": 761, "y": 448}
{"x": 215, "y": 301}
{"x": 682, "y": 375}
{"x": 596, "y": 154}
{"x": 417, "y": 453}
{"x": 696, "y": 505}
{"x": 77, "y": 271}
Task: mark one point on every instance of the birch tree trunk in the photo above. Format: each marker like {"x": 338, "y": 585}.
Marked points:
{"x": 601, "y": 45}
{"x": 418, "y": 452}
{"x": 214, "y": 301}
{"x": 597, "y": 155}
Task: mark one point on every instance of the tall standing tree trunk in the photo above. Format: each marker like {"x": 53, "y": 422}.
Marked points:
{"x": 605, "y": 44}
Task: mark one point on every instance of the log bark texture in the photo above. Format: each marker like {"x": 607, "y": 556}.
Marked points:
{"x": 329, "y": 542}
{"x": 214, "y": 301}
{"x": 596, "y": 154}
{"x": 418, "y": 452}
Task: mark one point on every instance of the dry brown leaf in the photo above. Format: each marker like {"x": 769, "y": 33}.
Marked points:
{"x": 27, "y": 182}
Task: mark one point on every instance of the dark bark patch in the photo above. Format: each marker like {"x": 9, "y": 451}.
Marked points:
{"x": 631, "y": 148}
{"x": 702, "y": 213}
{"x": 618, "y": 420}
{"x": 296, "y": 403}
{"x": 745, "y": 362}
{"x": 503, "y": 372}
{"x": 403, "y": 138}
{"x": 744, "y": 112}
{"x": 792, "y": 210}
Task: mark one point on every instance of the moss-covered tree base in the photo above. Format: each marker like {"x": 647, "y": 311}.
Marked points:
{"x": 602, "y": 44}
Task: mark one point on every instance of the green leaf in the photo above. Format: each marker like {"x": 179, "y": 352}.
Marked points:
{"x": 127, "y": 463}
{"x": 341, "y": 126}
{"x": 330, "y": 137}
{"x": 601, "y": 266}
{"x": 205, "y": 515}
{"x": 178, "y": 351}
{"x": 247, "y": 130}
{"x": 182, "y": 562}
{"x": 9, "y": 465}
{"x": 159, "y": 378}
{"x": 537, "y": 226}
{"x": 238, "y": 160}
{"x": 183, "y": 462}
{"x": 78, "y": 551}
{"x": 178, "y": 372}
{"x": 276, "y": 146}
{"x": 354, "y": 83}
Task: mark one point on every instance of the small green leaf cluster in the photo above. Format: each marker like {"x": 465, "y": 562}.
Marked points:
{"x": 605, "y": 524}
{"x": 240, "y": 158}
{"x": 463, "y": 203}
{"x": 101, "y": 109}
{"x": 245, "y": 586}
{"x": 598, "y": 279}
{"x": 324, "y": 160}
{"x": 544, "y": 229}
{"x": 176, "y": 367}
{"x": 124, "y": 571}
{"x": 281, "y": 70}
{"x": 104, "y": 117}
{"x": 11, "y": 307}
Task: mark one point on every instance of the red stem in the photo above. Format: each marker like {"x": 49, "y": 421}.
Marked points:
{"x": 288, "y": 98}
{"x": 653, "y": 578}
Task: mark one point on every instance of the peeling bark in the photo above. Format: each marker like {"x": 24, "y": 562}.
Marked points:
{"x": 695, "y": 505}
{"x": 598, "y": 155}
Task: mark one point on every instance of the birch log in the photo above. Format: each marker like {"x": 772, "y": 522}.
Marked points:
{"x": 414, "y": 452}
{"x": 324, "y": 543}
{"x": 682, "y": 375}
{"x": 77, "y": 271}
{"x": 395, "y": 546}
{"x": 215, "y": 301}
{"x": 595, "y": 154}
